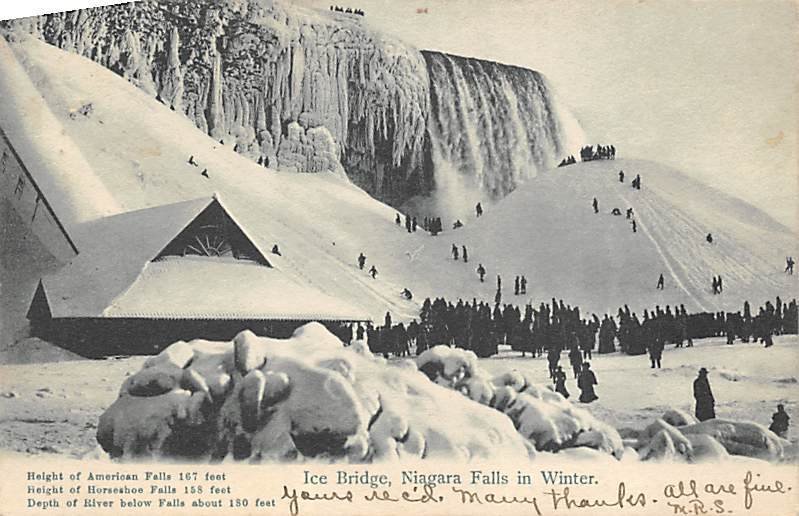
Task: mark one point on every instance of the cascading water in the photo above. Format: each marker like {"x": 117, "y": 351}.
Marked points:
{"x": 491, "y": 127}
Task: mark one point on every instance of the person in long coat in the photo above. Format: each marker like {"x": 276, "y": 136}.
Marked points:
{"x": 586, "y": 382}
{"x": 576, "y": 359}
{"x": 705, "y": 403}
{"x": 560, "y": 382}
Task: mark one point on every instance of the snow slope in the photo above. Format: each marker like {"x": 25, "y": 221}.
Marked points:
{"x": 546, "y": 229}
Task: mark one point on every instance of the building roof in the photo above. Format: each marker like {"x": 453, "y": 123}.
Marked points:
{"x": 224, "y": 288}
{"x": 122, "y": 274}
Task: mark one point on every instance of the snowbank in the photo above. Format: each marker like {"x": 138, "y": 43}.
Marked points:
{"x": 306, "y": 397}
{"x": 56, "y": 164}
{"x": 311, "y": 398}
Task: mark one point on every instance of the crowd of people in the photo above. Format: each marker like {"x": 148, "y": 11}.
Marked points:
{"x": 555, "y": 327}
{"x": 347, "y": 10}
{"x": 588, "y": 153}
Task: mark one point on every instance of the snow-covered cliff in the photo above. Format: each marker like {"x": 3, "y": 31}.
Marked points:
{"x": 307, "y": 90}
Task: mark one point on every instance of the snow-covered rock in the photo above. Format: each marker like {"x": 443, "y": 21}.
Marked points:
{"x": 547, "y": 420}
{"x": 308, "y": 396}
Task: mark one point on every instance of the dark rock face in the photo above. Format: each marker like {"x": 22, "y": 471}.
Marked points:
{"x": 312, "y": 91}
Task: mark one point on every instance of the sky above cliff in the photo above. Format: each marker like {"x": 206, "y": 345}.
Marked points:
{"x": 707, "y": 87}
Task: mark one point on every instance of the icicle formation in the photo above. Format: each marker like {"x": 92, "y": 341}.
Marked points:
{"x": 286, "y": 87}
{"x": 493, "y": 122}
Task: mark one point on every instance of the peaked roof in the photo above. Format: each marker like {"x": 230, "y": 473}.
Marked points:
{"x": 193, "y": 287}
{"x": 121, "y": 246}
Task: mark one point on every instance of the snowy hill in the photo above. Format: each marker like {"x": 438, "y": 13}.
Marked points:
{"x": 139, "y": 150}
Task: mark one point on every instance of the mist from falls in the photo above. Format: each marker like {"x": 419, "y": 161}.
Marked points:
{"x": 491, "y": 127}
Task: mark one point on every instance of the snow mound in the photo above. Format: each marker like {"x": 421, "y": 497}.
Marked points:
{"x": 542, "y": 416}
{"x": 678, "y": 437}
{"x": 305, "y": 397}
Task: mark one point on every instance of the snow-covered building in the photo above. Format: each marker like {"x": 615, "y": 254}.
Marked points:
{"x": 178, "y": 271}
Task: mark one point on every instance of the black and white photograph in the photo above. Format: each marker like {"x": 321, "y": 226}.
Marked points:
{"x": 275, "y": 232}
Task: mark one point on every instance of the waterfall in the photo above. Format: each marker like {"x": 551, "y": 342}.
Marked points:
{"x": 491, "y": 126}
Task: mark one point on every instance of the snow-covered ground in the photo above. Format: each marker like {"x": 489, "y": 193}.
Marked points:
{"x": 54, "y": 407}
{"x": 748, "y": 380}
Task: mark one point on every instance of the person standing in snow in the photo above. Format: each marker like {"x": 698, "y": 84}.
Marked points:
{"x": 388, "y": 320}
{"x": 709, "y": 238}
{"x": 553, "y": 357}
{"x": 454, "y": 252}
{"x": 361, "y": 261}
{"x": 465, "y": 255}
{"x": 705, "y": 403}
{"x": 516, "y": 286}
{"x": 780, "y": 421}
{"x": 595, "y": 204}
{"x": 586, "y": 383}
{"x": 481, "y": 271}
{"x": 478, "y": 209}
{"x": 414, "y": 224}
{"x": 789, "y": 263}
{"x": 276, "y": 250}
{"x": 621, "y": 176}
{"x": 635, "y": 227}
{"x": 398, "y": 220}
{"x": 575, "y": 356}
{"x": 560, "y": 382}
{"x": 661, "y": 282}
{"x": 629, "y": 213}
{"x": 721, "y": 287}
{"x": 407, "y": 223}
{"x": 523, "y": 285}
{"x": 373, "y": 272}
{"x": 499, "y": 282}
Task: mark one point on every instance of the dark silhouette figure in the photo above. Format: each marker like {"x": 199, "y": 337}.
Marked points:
{"x": 721, "y": 286}
{"x": 615, "y": 212}
{"x": 709, "y": 238}
{"x": 414, "y": 224}
{"x": 478, "y": 209}
{"x": 629, "y": 213}
{"x": 560, "y": 382}
{"x": 465, "y": 255}
{"x": 705, "y": 403}
{"x": 789, "y": 263}
{"x": 523, "y": 285}
{"x": 575, "y": 358}
{"x": 516, "y": 285}
{"x": 407, "y": 223}
{"x": 457, "y": 224}
{"x": 398, "y": 220}
{"x": 454, "y": 252}
{"x": 498, "y": 297}
{"x": 499, "y": 282}
{"x": 361, "y": 261}
{"x": 407, "y": 294}
{"x": 191, "y": 160}
{"x": 373, "y": 272}
{"x": 780, "y": 421}
{"x": 586, "y": 382}
{"x": 621, "y": 176}
{"x": 481, "y": 271}
{"x": 276, "y": 250}
{"x": 204, "y": 173}
{"x": 715, "y": 285}
{"x": 635, "y": 226}
{"x": 661, "y": 282}
{"x": 595, "y": 205}
{"x": 656, "y": 353}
